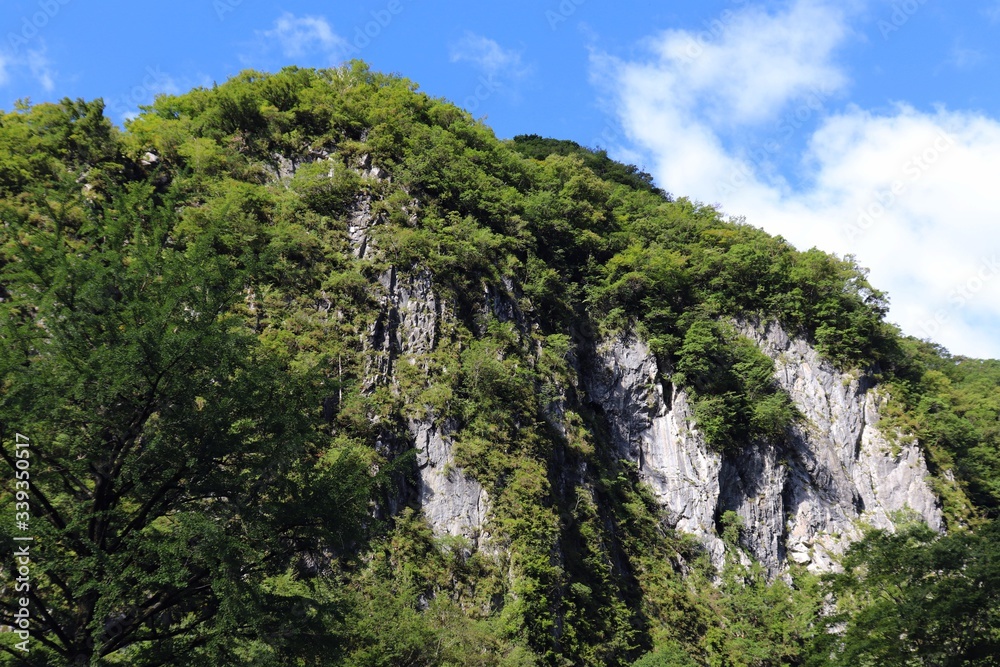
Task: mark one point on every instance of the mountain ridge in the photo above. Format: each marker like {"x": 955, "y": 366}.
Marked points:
{"x": 534, "y": 408}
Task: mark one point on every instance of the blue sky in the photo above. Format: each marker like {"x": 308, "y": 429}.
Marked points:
{"x": 864, "y": 127}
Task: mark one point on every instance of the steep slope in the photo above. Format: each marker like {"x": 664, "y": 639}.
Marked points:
{"x": 591, "y": 419}
{"x": 803, "y": 501}
{"x": 844, "y": 472}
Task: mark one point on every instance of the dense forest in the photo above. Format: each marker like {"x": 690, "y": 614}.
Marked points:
{"x": 220, "y": 474}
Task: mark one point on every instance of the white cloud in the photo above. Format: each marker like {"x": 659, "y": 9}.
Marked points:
{"x": 34, "y": 61}
{"x": 992, "y": 12}
{"x": 487, "y": 55}
{"x": 748, "y": 64}
{"x": 911, "y": 193}
{"x": 298, "y": 36}
{"x": 40, "y": 68}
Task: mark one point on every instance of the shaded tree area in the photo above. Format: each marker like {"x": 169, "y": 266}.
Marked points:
{"x": 917, "y": 598}
{"x": 178, "y": 479}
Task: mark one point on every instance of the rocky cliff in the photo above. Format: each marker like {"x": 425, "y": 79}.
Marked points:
{"x": 803, "y": 500}
{"x": 362, "y": 360}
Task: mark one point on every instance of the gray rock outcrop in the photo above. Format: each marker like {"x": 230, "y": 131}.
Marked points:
{"x": 843, "y": 470}
{"x": 671, "y": 455}
{"x": 407, "y": 328}
{"x": 802, "y": 501}
{"x": 453, "y": 503}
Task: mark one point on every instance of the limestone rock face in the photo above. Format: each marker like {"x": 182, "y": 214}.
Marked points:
{"x": 362, "y": 218}
{"x": 843, "y": 471}
{"x": 658, "y": 437}
{"x": 803, "y": 500}
{"x": 453, "y": 503}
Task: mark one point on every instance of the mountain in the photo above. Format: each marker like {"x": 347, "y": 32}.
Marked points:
{"x": 309, "y": 368}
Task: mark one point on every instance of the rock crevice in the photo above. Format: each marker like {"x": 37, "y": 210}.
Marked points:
{"x": 406, "y": 329}
{"x": 803, "y": 500}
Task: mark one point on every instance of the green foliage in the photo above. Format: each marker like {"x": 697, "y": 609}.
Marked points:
{"x": 419, "y": 601}
{"x": 669, "y": 655}
{"x": 952, "y": 404}
{"x": 538, "y": 148}
{"x": 736, "y": 397}
{"x": 761, "y": 624}
{"x": 160, "y": 427}
{"x": 917, "y": 597}
{"x": 326, "y": 188}
{"x": 201, "y": 319}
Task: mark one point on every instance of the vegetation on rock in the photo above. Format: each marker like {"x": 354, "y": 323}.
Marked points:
{"x": 220, "y": 460}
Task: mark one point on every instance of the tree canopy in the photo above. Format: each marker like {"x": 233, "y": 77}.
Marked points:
{"x": 221, "y": 470}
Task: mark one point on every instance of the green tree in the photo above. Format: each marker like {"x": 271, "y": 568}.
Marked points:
{"x": 669, "y": 655}
{"x": 736, "y": 397}
{"x": 917, "y": 598}
{"x": 176, "y": 475}
{"x": 180, "y": 297}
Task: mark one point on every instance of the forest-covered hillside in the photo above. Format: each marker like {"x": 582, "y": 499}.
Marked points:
{"x": 200, "y": 351}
